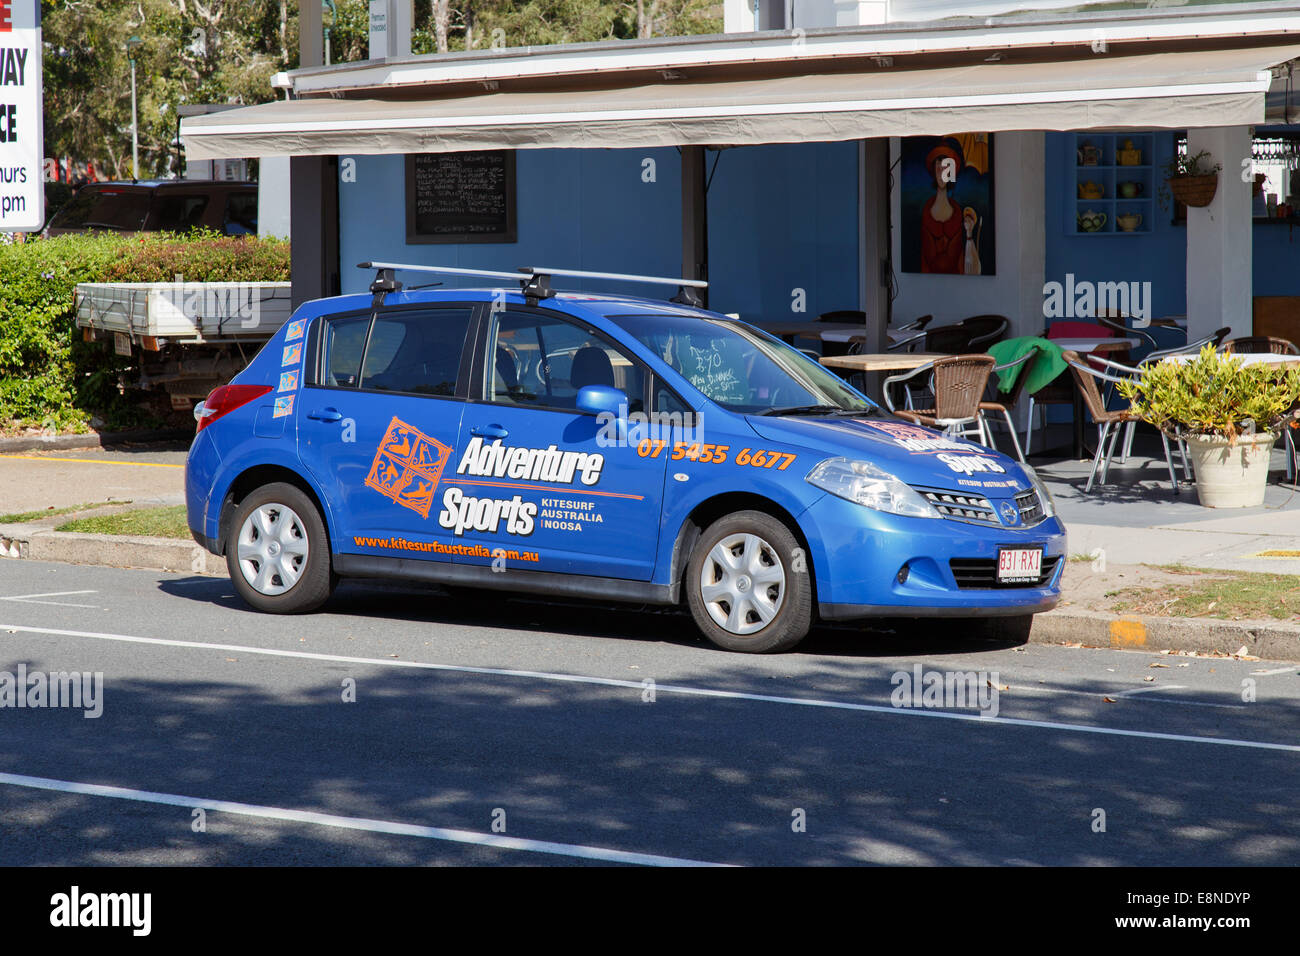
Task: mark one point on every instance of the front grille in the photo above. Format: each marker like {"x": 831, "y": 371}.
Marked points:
{"x": 962, "y": 507}
{"x": 1031, "y": 509}
{"x": 983, "y": 573}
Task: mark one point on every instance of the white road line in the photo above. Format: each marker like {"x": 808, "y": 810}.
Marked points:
{"x": 1277, "y": 670}
{"x": 1032, "y": 689}
{"x": 662, "y": 688}
{"x": 1146, "y": 690}
{"x": 31, "y": 598}
{"x": 350, "y": 823}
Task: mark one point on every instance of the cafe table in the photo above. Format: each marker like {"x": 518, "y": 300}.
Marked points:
{"x": 1247, "y": 358}
{"x": 880, "y": 361}
{"x": 789, "y": 331}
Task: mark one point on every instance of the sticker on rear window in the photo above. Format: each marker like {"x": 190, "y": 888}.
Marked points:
{"x": 295, "y": 330}
{"x": 292, "y": 354}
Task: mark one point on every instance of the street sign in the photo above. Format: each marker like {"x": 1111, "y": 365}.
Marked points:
{"x": 22, "y": 189}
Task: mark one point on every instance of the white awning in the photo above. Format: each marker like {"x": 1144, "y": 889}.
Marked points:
{"x": 1159, "y": 90}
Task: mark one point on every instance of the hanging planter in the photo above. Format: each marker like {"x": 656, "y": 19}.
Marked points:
{"x": 1192, "y": 180}
{"x": 1194, "y": 190}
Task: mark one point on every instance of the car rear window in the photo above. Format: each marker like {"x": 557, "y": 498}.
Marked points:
{"x": 103, "y": 209}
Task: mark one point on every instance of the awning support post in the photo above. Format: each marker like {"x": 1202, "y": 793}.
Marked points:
{"x": 695, "y": 219}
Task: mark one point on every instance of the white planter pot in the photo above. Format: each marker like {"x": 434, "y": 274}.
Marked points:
{"x": 1231, "y": 476}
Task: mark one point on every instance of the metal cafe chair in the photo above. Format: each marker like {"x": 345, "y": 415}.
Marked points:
{"x": 958, "y": 383}
{"x": 1107, "y": 421}
{"x": 1118, "y": 321}
{"x": 987, "y": 328}
{"x": 1267, "y": 344}
{"x": 1013, "y": 397}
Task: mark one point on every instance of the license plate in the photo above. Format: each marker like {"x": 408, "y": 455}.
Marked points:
{"x": 121, "y": 343}
{"x": 1020, "y": 565}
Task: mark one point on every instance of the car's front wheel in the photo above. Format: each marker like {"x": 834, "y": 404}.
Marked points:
{"x": 277, "y": 551}
{"x": 748, "y": 585}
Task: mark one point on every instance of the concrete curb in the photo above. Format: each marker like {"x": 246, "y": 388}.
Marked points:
{"x": 1269, "y": 640}
{"x": 111, "y": 550}
{"x": 10, "y": 446}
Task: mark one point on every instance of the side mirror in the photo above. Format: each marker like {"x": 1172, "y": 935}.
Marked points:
{"x": 598, "y": 399}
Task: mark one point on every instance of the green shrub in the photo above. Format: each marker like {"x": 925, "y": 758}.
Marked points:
{"x": 1214, "y": 394}
{"x": 48, "y": 376}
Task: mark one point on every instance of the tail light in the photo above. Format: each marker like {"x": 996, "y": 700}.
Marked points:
{"x": 226, "y": 399}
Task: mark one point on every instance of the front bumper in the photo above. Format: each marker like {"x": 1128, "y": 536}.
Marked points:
{"x": 857, "y": 555}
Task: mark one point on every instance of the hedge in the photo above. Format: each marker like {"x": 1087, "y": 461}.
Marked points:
{"x": 48, "y": 376}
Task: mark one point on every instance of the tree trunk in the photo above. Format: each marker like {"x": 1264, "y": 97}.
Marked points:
{"x": 441, "y": 21}
{"x": 284, "y": 34}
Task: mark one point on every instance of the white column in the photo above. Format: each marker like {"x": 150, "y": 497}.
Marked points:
{"x": 1219, "y": 250}
{"x": 397, "y": 27}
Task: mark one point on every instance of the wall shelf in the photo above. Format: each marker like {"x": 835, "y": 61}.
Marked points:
{"x": 1112, "y": 210}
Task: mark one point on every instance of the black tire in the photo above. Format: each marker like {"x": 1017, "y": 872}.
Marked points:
{"x": 315, "y": 581}
{"x": 776, "y": 545}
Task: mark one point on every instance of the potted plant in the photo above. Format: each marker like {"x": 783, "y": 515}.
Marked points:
{"x": 1192, "y": 180}
{"x": 1229, "y": 414}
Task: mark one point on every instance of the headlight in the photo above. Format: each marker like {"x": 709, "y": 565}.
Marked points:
{"x": 1044, "y": 496}
{"x": 865, "y": 484}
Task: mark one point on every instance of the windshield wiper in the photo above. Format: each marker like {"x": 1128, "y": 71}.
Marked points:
{"x": 816, "y": 410}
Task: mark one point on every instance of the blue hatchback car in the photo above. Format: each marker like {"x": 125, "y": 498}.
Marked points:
{"x": 602, "y": 446}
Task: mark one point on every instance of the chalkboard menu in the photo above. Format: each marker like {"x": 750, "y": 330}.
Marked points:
{"x": 461, "y": 197}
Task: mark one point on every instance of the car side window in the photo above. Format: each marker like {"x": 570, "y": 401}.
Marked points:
{"x": 416, "y": 351}
{"x": 543, "y": 360}
{"x": 173, "y": 212}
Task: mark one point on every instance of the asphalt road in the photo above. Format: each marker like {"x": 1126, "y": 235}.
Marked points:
{"x": 470, "y": 709}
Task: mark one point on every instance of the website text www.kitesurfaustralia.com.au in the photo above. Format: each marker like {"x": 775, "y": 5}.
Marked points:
{"x": 437, "y": 547}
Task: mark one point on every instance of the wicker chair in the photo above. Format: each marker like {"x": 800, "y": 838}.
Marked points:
{"x": 1266, "y": 344}
{"x": 1109, "y": 423}
{"x": 959, "y": 383}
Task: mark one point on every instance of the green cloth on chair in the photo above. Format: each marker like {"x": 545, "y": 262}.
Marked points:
{"x": 1041, "y": 369}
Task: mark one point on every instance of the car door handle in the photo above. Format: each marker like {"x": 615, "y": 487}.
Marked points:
{"x": 489, "y": 431}
{"x": 326, "y": 415}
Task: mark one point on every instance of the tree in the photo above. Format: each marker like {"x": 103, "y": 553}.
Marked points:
{"x": 225, "y": 51}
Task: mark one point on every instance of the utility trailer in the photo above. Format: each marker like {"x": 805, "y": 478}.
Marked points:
{"x": 186, "y": 338}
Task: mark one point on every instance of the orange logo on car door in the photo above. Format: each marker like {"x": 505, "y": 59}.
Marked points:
{"x": 407, "y": 466}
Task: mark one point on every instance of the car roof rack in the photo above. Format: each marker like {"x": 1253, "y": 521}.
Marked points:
{"x": 534, "y": 281}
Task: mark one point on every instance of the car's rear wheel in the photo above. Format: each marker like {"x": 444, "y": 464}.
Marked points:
{"x": 277, "y": 551}
{"x": 748, "y": 586}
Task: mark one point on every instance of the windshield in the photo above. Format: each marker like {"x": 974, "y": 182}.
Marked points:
{"x": 740, "y": 368}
